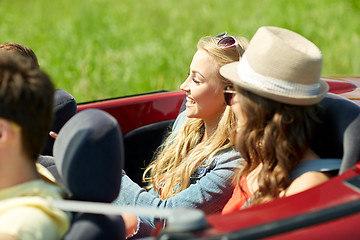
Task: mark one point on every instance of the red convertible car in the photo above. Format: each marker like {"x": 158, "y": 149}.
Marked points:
{"x": 328, "y": 211}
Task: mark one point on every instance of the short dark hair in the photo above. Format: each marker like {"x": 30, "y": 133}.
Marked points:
{"x": 26, "y": 98}
{"x": 20, "y": 49}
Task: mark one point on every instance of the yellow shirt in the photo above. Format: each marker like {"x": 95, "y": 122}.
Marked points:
{"x": 26, "y": 213}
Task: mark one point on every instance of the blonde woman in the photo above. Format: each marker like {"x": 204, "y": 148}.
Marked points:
{"x": 195, "y": 165}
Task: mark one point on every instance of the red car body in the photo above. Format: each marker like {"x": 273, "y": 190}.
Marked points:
{"x": 328, "y": 211}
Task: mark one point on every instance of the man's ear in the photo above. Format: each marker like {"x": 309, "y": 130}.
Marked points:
{"x": 7, "y": 130}
{"x": 2, "y": 128}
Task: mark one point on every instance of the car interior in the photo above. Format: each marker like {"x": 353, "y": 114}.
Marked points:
{"x": 88, "y": 179}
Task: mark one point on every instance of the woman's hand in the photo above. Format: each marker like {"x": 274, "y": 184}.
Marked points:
{"x": 131, "y": 224}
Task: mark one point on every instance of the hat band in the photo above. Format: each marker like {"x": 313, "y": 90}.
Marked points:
{"x": 248, "y": 75}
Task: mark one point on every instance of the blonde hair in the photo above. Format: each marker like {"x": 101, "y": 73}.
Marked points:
{"x": 183, "y": 152}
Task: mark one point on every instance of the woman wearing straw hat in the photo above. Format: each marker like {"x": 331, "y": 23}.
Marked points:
{"x": 278, "y": 88}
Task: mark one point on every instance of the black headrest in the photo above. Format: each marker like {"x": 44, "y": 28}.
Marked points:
{"x": 339, "y": 134}
{"x": 88, "y": 154}
{"x": 64, "y": 108}
{"x": 96, "y": 227}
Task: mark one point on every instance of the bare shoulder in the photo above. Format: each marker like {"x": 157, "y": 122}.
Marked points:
{"x": 306, "y": 181}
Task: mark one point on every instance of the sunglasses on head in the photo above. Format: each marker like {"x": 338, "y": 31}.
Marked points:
{"x": 229, "y": 94}
{"x": 228, "y": 42}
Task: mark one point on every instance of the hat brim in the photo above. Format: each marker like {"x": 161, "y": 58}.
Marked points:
{"x": 229, "y": 71}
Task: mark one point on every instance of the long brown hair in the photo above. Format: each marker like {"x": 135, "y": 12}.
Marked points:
{"x": 275, "y": 135}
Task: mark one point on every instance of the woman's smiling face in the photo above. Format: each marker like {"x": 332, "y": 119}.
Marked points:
{"x": 204, "y": 89}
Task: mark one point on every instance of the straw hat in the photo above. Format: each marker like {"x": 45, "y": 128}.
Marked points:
{"x": 280, "y": 65}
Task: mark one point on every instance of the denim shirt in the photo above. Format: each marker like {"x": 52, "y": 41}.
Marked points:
{"x": 202, "y": 171}
{"x": 210, "y": 188}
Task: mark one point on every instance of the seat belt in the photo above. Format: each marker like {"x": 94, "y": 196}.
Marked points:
{"x": 178, "y": 219}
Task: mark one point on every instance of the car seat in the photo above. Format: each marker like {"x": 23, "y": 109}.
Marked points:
{"x": 88, "y": 155}
{"x": 149, "y": 137}
{"x": 64, "y": 108}
{"x": 339, "y": 134}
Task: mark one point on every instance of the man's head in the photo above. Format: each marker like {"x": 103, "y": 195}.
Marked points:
{"x": 26, "y": 99}
{"x": 17, "y": 48}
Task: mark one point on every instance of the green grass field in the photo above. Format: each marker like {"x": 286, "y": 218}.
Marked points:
{"x": 98, "y": 49}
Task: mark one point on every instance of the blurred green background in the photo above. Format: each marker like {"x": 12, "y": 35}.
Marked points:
{"x": 98, "y": 49}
